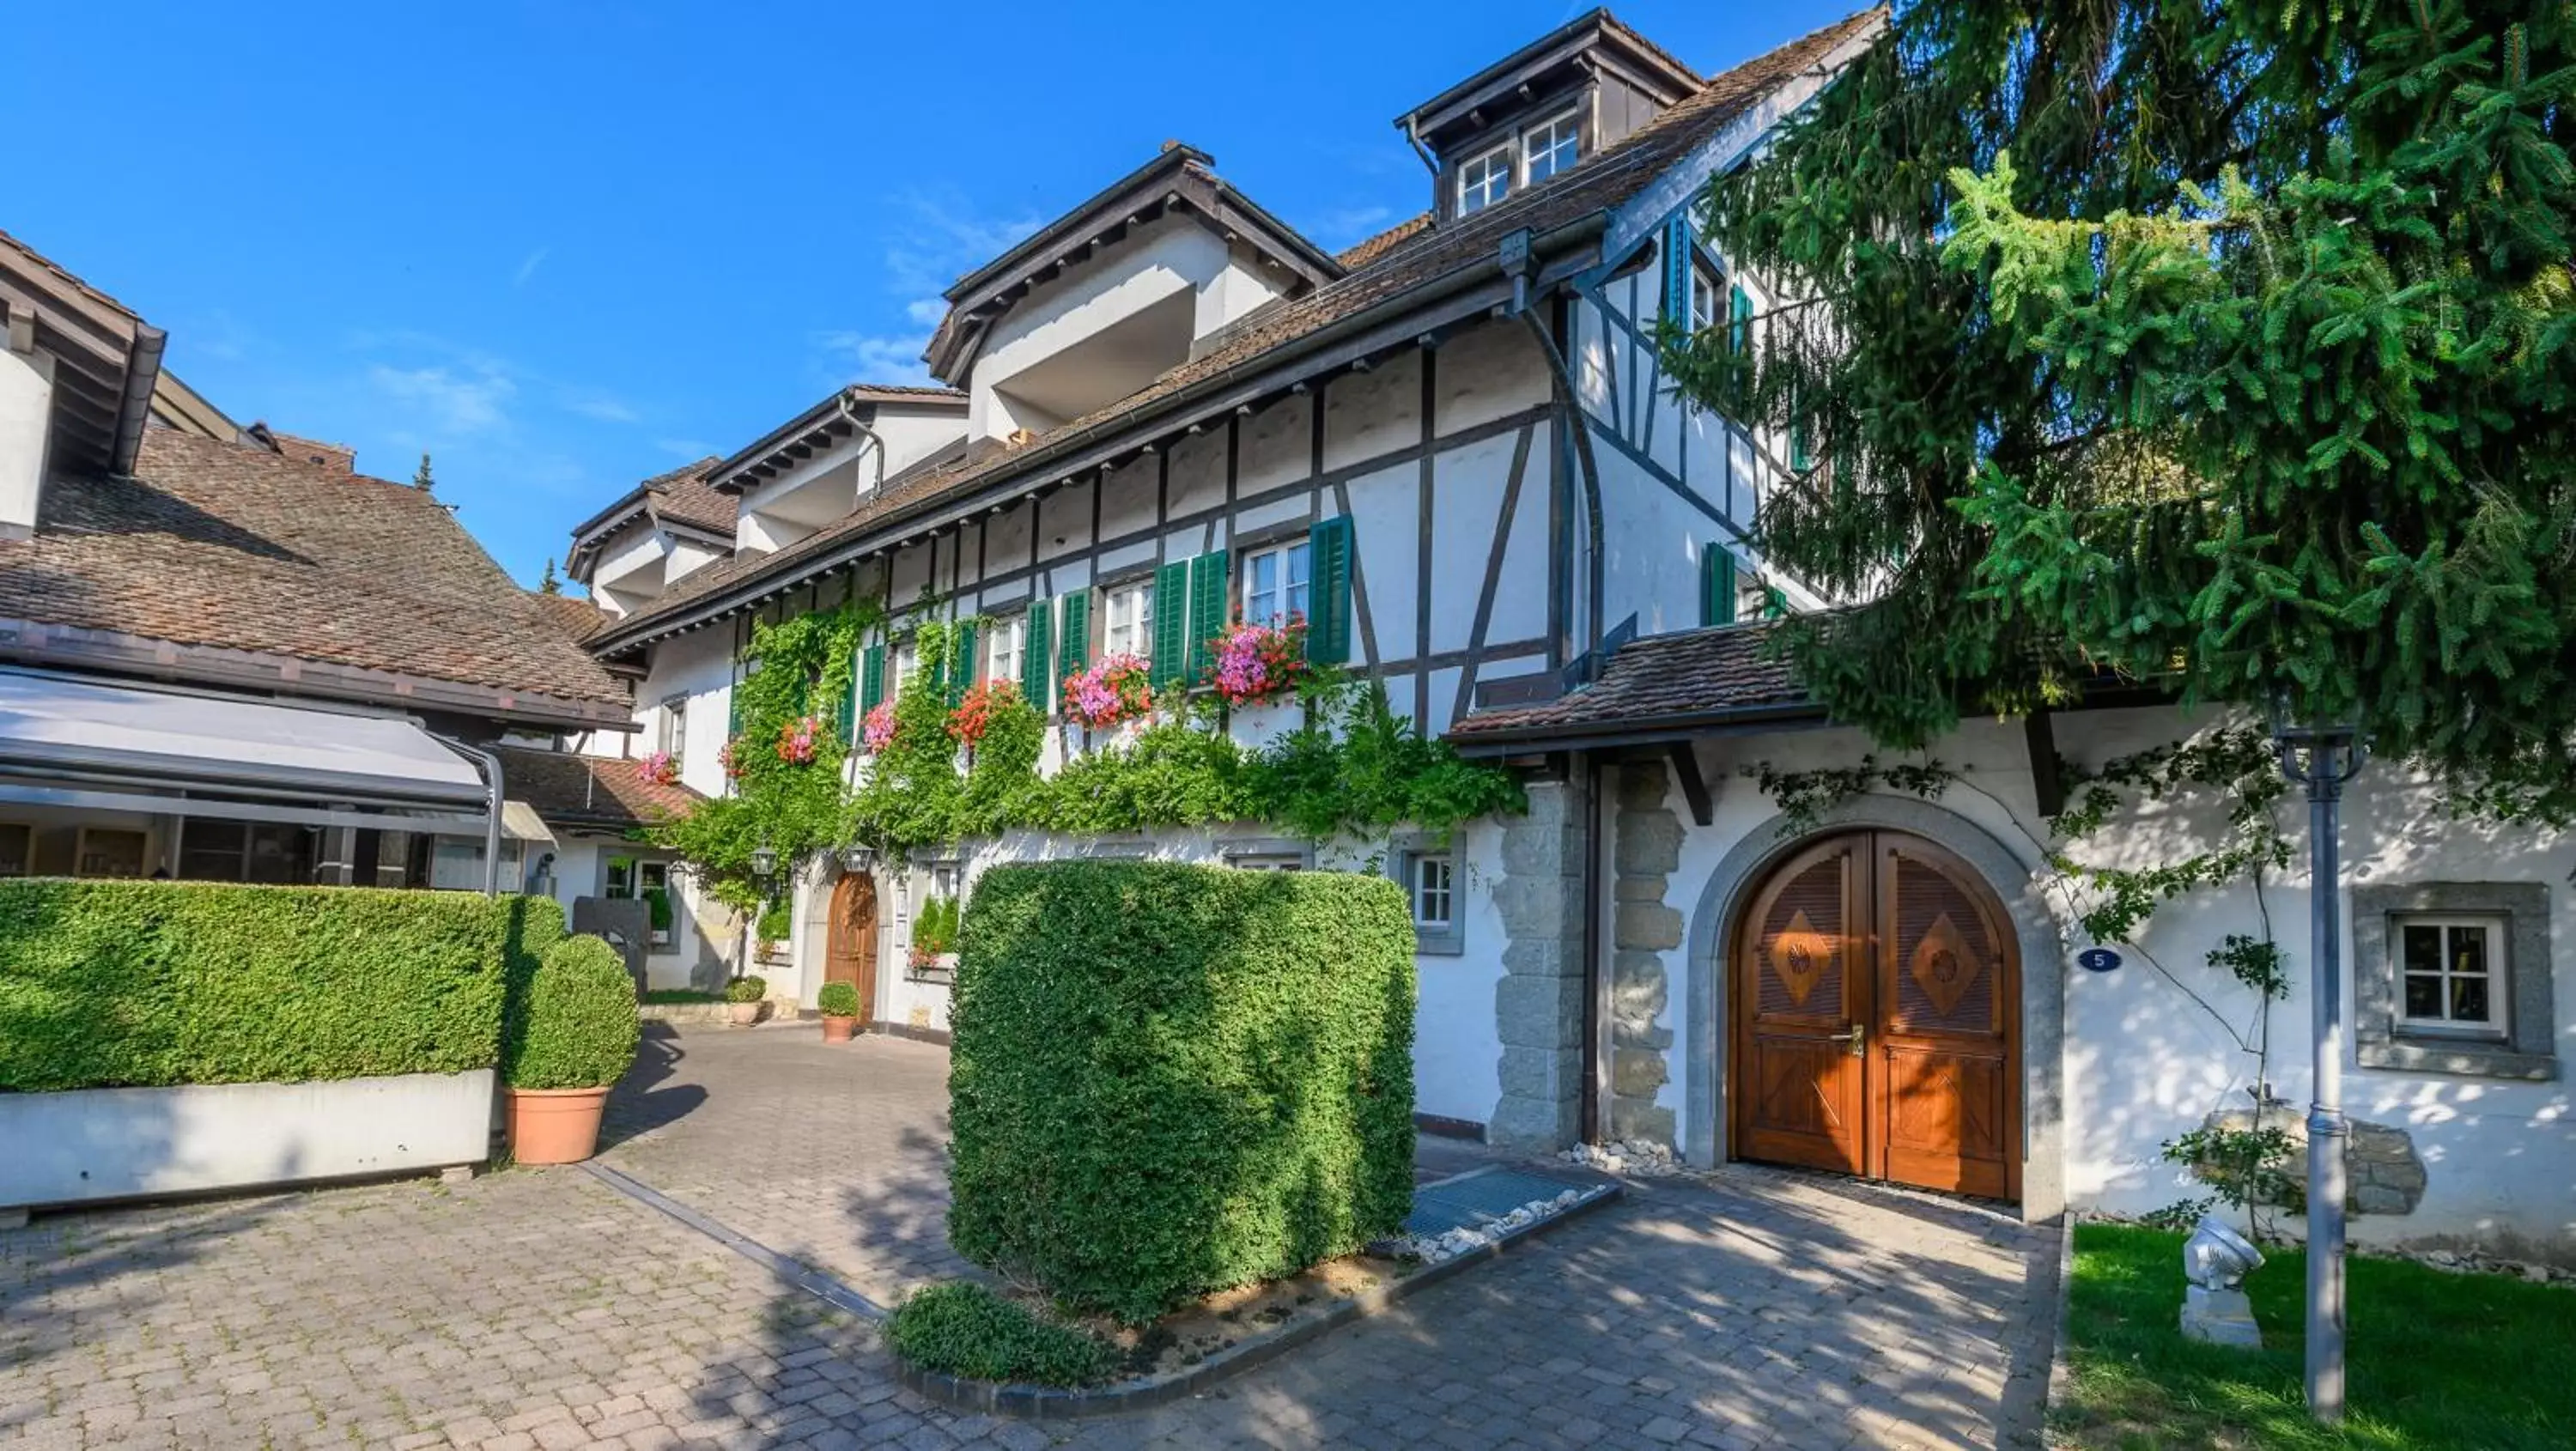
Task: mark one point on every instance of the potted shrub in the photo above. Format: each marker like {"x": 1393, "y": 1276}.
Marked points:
{"x": 743, "y": 998}
{"x": 839, "y": 1002}
{"x": 567, "y": 1036}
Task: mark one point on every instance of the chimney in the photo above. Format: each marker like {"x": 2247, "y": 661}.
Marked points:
{"x": 26, "y": 423}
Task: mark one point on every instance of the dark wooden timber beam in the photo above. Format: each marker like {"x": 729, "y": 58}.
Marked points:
{"x": 1685, "y": 759}
{"x": 2039, "y": 737}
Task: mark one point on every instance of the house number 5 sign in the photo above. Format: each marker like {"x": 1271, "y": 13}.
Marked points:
{"x": 2097, "y": 959}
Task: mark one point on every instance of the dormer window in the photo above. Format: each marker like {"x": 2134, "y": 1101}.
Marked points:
{"x": 1485, "y": 180}
{"x": 1550, "y": 147}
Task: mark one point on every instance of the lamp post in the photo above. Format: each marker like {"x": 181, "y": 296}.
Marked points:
{"x": 2322, "y": 759}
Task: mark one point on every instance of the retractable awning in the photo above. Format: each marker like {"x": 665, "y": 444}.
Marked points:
{"x": 79, "y": 741}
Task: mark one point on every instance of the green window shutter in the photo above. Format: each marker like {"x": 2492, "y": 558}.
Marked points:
{"x": 1677, "y": 269}
{"x": 1739, "y": 336}
{"x": 1074, "y": 651}
{"x": 1328, "y": 628}
{"x": 1207, "y": 609}
{"x": 1775, "y": 605}
{"x": 1716, "y": 585}
{"x": 1038, "y": 655}
{"x": 850, "y": 705}
{"x": 1798, "y": 459}
{"x": 733, "y": 710}
{"x": 872, "y": 678}
{"x": 1171, "y": 622}
{"x": 961, "y": 661}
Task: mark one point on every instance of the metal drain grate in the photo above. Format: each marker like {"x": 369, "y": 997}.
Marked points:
{"x": 1480, "y": 1197}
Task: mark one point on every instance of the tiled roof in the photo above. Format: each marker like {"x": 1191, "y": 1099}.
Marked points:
{"x": 682, "y": 496}
{"x": 1598, "y": 184}
{"x": 229, "y": 545}
{"x": 1689, "y": 675}
{"x": 575, "y": 616}
{"x": 1362, "y": 253}
{"x": 64, "y": 276}
{"x": 605, "y": 793}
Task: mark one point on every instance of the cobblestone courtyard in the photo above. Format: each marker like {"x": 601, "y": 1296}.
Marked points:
{"x": 541, "y": 1308}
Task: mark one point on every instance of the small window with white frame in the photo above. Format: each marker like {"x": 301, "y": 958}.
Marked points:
{"x": 1431, "y": 886}
{"x": 2451, "y": 974}
{"x": 1707, "y": 297}
{"x": 1127, "y": 620}
{"x": 1549, "y": 147}
{"x": 1009, "y": 646}
{"x": 906, "y": 660}
{"x": 1484, "y": 179}
{"x": 1274, "y": 584}
{"x": 675, "y": 729}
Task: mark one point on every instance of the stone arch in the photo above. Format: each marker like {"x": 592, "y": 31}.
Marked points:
{"x": 2016, "y": 884}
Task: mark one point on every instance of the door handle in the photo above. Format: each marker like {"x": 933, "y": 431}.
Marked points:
{"x": 1857, "y": 1036}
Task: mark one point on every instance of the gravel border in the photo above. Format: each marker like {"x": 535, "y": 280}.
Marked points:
{"x": 2061, "y": 1380}
{"x": 1055, "y": 1403}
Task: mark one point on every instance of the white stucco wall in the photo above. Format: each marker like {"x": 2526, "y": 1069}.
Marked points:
{"x": 2142, "y": 1062}
{"x": 26, "y": 413}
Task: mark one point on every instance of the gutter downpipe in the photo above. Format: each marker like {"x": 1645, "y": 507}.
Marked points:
{"x": 875, "y": 440}
{"x": 490, "y": 765}
{"x": 1519, "y": 260}
{"x": 1413, "y": 138}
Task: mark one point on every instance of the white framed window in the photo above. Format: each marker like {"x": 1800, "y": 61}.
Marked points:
{"x": 1274, "y": 584}
{"x": 904, "y": 664}
{"x": 2451, "y": 974}
{"x": 675, "y": 728}
{"x": 1009, "y": 647}
{"x": 1266, "y": 861}
{"x": 1707, "y": 298}
{"x": 1429, "y": 883}
{"x": 1484, "y": 180}
{"x": 1127, "y": 616}
{"x": 1549, "y": 147}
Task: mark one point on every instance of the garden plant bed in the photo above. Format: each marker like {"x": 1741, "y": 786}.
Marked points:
{"x": 2438, "y": 1358}
{"x": 1228, "y": 1333}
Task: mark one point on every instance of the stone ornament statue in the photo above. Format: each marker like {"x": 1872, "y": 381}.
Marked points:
{"x": 2216, "y": 1260}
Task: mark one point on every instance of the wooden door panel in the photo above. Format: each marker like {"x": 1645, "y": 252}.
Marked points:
{"x": 1798, "y": 969}
{"x": 1944, "y": 1110}
{"x": 850, "y": 953}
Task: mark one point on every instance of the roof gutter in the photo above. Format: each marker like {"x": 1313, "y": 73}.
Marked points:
{"x": 1644, "y": 731}
{"x": 134, "y": 409}
{"x": 1586, "y": 228}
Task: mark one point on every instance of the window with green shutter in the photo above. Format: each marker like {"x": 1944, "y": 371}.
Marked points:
{"x": 1171, "y": 622}
{"x": 872, "y": 678}
{"x": 850, "y": 705}
{"x": 1677, "y": 269}
{"x": 1328, "y": 625}
{"x": 1716, "y": 585}
{"x": 960, "y": 664}
{"x": 1073, "y": 652}
{"x": 1739, "y": 335}
{"x": 1207, "y": 610}
{"x": 1037, "y": 655}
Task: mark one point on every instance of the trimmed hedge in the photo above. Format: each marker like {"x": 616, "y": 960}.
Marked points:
{"x": 838, "y": 1000}
{"x": 1167, "y": 1080}
{"x": 147, "y": 984}
{"x": 965, "y": 1329}
{"x": 572, "y": 1023}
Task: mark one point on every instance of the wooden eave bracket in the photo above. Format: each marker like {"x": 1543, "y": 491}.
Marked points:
{"x": 1685, "y": 758}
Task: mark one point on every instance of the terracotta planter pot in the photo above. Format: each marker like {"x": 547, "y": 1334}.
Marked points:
{"x": 839, "y": 1030}
{"x": 742, "y": 1015}
{"x": 554, "y": 1125}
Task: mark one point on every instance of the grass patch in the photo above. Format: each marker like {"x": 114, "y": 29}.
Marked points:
{"x": 671, "y": 995}
{"x": 2436, "y": 1360}
{"x": 965, "y": 1329}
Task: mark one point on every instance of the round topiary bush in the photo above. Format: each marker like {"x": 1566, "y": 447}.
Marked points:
{"x": 746, "y": 989}
{"x": 838, "y": 1000}
{"x": 965, "y": 1329}
{"x": 571, "y": 1022}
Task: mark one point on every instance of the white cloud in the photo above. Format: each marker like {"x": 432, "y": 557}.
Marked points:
{"x": 528, "y": 268}
{"x": 460, "y": 404}
{"x": 1346, "y": 225}
{"x": 687, "y": 450}
{"x": 927, "y": 311}
{"x": 860, "y": 357}
{"x": 599, "y": 406}
{"x": 938, "y": 237}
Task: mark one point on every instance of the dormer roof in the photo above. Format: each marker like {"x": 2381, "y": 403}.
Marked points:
{"x": 820, "y": 428}
{"x": 108, "y": 357}
{"x": 1594, "y": 41}
{"x": 1181, "y": 180}
{"x": 679, "y": 502}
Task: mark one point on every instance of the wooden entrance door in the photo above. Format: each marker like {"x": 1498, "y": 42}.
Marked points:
{"x": 1874, "y": 993}
{"x": 850, "y": 954}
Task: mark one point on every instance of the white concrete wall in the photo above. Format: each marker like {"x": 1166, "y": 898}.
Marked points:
{"x": 2142, "y": 1062}
{"x": 26, "y": 415}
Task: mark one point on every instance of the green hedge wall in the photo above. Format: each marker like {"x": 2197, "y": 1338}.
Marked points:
{"x": 107, "y": 984}
{"x": 1166, "y": 1080}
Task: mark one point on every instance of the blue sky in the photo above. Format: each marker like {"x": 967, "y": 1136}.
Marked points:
{"x": 563, "y": 246}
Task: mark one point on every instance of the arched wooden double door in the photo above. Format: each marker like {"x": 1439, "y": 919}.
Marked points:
{"x": 850, "y": 951}
{"x": 1874, "y": 1002}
